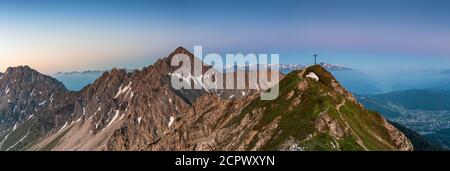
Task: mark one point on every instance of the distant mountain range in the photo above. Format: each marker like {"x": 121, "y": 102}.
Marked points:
{"x": 286, "y": 68}
{"x": 355, "y": 81}
{"x": 76, "y": 80}
{"x": 141, "y": 111}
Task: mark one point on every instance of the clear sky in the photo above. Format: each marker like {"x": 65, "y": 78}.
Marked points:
{"x": 88, "y": 34}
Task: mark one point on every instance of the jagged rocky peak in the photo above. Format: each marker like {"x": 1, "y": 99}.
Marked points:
{"x": 193, "y": 60}
{"x": 23, "y": 84}
{"x": 19, "y": 70}
{"x": 24, "y": 93}
{"x": 181, "y": 50}
{"x": 117, "y": 71}
{"x": 26, "y": 75}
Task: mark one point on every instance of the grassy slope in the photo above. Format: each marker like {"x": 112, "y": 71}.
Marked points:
{"x": 299, "y": 121}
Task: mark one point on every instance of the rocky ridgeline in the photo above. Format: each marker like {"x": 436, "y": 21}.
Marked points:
{"x": 140, "y": 110}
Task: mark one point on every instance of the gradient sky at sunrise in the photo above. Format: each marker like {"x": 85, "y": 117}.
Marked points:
{"x": 53, "y": 36}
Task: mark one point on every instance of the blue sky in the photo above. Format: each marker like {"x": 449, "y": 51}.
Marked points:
{"x": 79, "y": 35}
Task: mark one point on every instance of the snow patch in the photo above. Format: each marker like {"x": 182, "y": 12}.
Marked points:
{"x": 139, "y": 119}
{"x": 132, "y": 95}
{"x": 7, "y": 90}
{"x": 51, "y": 99}
{"x": 43, "y": 103}
{"x": 125, "y": 89}
{"x": 64, "y": 126}
{"x": 121, "y": 116}
{"x": 90, "y": 117}
{"x": 114, "y": 118}
{"x": 313, "y": 76}
{"x": 84, "y": 111}
{"x": 171, "y": 121}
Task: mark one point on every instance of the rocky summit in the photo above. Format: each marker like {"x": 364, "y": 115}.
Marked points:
{"x": 140, "y": 110}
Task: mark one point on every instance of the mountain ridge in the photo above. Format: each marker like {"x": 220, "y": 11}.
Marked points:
{"x": 140, "y": 111}
{"x": 257, "y": 126}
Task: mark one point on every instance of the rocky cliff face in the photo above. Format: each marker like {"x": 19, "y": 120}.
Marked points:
{"x": 24, "y": 91}
{"x": 124, "y": 111}
{"x": 141, "y": 111}
{"x": 24, "y": 94}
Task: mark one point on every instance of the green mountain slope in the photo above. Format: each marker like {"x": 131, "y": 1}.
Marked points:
{"x": 321, "y": 115}
{"x": 309, "y": 114}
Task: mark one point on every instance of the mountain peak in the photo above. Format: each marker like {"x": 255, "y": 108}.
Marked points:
{"x": 180, "y": 50}
{"x": 21, "y": 68}
{"x": 324, "y": 75}
{"x": 26, "y": 75}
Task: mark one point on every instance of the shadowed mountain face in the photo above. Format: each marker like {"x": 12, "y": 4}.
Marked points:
{"x": 141, "y": 111}
{"x": 31, "y": 104}
{"x": 23, "y": 91}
